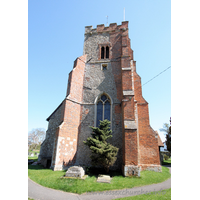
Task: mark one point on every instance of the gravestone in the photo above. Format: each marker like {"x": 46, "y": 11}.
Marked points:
{"x": 75, "y": 171}
{"x": 103, "y": 178}
{"x": 34, "y": 163}
{"x": 32, "y": 155}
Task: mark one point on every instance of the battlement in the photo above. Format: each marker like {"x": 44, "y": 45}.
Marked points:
{"x": 111, "y": 28}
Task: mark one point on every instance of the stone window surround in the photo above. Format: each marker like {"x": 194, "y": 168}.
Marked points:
{"x": 95, "y": 108}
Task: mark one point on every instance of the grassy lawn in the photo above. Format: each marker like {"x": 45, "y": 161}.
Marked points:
{"x": 34, "y": 151}
{"x": 35, "y": 158}
{"x": 166, "y": 162}
{"x": 51, "y": 179}
{"x": 160, "y": 195}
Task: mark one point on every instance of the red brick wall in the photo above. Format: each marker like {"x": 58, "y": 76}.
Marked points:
{"x": 148, "y": 142}
{"x": 126, "y": 80}
{"x": 129, "y": 108}
{"x": 67, "y": 134}
{"x": 131, "y": 151}
{"x": 138, "y": 88}
{"x": 77, "y": 76}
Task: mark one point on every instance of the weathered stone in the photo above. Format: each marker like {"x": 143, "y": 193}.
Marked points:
{"x": 154, "y": 168}
{"x": 75, "y": 171}
{"x": 131, "y": 170}
{"x": 35, "y": 163}
{"x": 130, "y": 125}
{"x": 103, "y": 178}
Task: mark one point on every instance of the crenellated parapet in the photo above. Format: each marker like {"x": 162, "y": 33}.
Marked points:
{"x": 113, "y": 27}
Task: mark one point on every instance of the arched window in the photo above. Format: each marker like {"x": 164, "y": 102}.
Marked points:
{"x": 103, "y": 109}
{"x": 102, "y": 52}
{"x": 107, "y": 52}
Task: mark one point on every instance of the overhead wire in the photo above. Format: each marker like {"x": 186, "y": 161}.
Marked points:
{"x": 157, "y": 75}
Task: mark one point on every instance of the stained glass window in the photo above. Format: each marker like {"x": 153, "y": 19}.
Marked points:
{"x": 107, "y": 110}
{"x": 103, "y": 109}
{"x": 99, "y": 112}
{"x": 103, "y": 97}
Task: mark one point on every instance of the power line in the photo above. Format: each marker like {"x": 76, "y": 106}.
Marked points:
{"x": 157, "y": 75}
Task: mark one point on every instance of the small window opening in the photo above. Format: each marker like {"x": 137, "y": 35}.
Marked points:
{"x": 104, "y": 67}
{"x": 107, "y": 52}
{"x": 102, "y": 52}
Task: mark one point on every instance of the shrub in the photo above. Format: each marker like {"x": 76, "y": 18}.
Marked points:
{"x": 103, "y": 153}
{"x": 166, "y": 157}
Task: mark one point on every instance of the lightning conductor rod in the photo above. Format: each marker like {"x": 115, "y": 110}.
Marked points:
{"x": 124, "y": 14}
{"x": 107, "y": 20}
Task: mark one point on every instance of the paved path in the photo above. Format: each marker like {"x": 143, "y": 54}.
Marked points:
{"x": 38, "y": 192}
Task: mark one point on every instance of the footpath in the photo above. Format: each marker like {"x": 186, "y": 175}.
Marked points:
{"x": 38, "y": 192}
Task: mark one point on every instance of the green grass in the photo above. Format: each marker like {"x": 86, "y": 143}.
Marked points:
{"x": 51, "y": 179}
{"x": 35, "y": 158}
{"x": 166, "y": 162}
{"x": 159, "y": 195}
{"x": 34, "y": 151}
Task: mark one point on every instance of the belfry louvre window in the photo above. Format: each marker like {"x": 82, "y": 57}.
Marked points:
{"x": 107, "y": 52}
{"x": 104, "y": 52}
{"x": 103, "y": 109}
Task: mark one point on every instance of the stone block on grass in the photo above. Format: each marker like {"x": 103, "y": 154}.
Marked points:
{"x": 103, "y": 178}
{"x": 75, "y": 171}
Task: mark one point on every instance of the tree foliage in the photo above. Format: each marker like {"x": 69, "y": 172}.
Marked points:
{"x": 167, "y": 129}
{"x": 168, "y": 140}
{"x": 35, "y": 138}
{"x": 103, "y": 153}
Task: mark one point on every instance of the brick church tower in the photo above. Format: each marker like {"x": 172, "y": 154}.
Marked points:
{"x": 103, "y": 84}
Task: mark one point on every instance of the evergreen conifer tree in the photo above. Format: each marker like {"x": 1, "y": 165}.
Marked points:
{"x": 103, "y": 153}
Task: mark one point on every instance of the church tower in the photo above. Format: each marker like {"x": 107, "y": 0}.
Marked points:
{"x": 103, "y": 84}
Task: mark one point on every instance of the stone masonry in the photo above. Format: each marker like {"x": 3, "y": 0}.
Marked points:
{"x": 106, "y": 70}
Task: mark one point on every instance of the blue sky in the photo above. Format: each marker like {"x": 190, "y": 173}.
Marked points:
{"x": 55, "y": 40}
